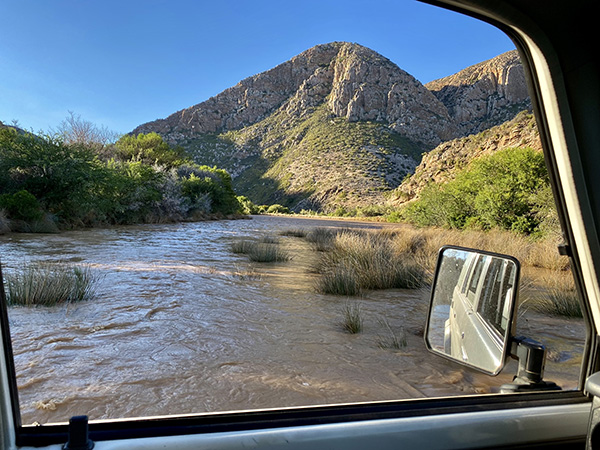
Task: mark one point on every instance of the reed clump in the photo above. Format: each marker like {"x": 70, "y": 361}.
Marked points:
{"x": 352, "y": 322}
{"x": 266, "y": 249}
{"x": 294, "y": 232}
{"x": 265, "y": 252}
{"x": 359, "y": 261}
{"x": 391, "y": 339}
{"x": 49, "y": 284}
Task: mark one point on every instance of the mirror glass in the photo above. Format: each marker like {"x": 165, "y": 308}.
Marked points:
{"x": 472, "y": 307}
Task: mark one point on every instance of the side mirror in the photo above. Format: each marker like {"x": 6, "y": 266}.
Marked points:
{"x": 472, "y": 307}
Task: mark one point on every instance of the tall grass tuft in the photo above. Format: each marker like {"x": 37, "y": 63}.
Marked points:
{"x": 322, "y": 238}
{"x": 352, "y": 322}
{"x": 266, "y": 249}
{"x": 361, "y": 261}
{"x": 264, "y": 252}
{"x": 340, "y": 279}
{"x": 559, "y": 297}
{"x": 47, "y": 284}
{"x": 242, "y": 246}
{"x": 294, "y": 232}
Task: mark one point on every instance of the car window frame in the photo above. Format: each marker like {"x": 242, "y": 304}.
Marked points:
{"x": 176, "y": 425}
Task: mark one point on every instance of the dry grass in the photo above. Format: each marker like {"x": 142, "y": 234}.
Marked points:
{"x": 359, "y": 261}
{"x": 424, "y": 244}
{"x": 553, "y": 294}
{"x": 391, "y": 340}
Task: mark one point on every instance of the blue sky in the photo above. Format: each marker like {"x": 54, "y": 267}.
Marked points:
{"x": 120, "y": 63}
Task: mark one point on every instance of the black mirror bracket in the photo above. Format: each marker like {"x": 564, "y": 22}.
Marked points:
{"x": 532, "y": 358}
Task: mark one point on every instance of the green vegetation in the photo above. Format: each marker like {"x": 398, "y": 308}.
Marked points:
{"x": 509, "y": 190}
{"x": 46, "y": 183}
{"x": 149, "y": 149}
{"x": 46, "y": 284}
{"x": 285, "y": 159}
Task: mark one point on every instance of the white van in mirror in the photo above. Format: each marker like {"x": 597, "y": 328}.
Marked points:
{"x": 472, "y": 307}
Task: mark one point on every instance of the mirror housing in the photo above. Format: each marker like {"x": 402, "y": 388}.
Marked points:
{"x": 471, "y": 313}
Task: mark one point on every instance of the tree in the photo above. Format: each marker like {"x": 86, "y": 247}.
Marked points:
{"x": 149, "y": 149}
{"x": 75, "y": 130}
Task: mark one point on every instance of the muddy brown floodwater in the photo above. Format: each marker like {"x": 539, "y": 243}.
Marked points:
{"x": 180, "y": 324}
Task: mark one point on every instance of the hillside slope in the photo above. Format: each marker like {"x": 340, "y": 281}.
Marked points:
{"x": 442, "y": 163}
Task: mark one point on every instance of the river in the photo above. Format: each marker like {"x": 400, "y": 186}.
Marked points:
{"x": 180, "y": 324}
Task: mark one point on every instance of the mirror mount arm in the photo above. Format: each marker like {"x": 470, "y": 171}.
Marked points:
{"x": 532, "y": 357}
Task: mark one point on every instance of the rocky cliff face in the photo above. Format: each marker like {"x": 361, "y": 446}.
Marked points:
{"x": 339, "y": 124}
{"x": 484, "y": 95}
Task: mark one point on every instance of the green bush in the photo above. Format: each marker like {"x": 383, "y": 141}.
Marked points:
{"x": 278, "y": 209}
{"x": 246, "y": 205}
{"x": 43, "y": 177}
{"x": 150, "y": 149}
{"x": 502, "y": 190}
{"x": 21, "y": 206}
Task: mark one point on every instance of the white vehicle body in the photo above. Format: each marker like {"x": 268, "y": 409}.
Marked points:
{"x": 555, "y": 41}
{"x": 474, "y": 333}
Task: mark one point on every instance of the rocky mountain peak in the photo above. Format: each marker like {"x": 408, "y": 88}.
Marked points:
{"x": 355, "y": 82}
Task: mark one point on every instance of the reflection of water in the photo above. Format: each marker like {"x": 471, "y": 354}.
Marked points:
{"x": 437, "y": 324}
{"x": 176, "y": 329}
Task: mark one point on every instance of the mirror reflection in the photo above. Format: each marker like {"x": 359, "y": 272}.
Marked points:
{"x": 471, "y": 307}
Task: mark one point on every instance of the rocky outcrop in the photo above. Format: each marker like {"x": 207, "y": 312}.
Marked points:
{"x": 484, "y": 95}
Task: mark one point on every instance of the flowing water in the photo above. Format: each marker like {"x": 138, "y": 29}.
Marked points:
{"x": 180, "y": 324}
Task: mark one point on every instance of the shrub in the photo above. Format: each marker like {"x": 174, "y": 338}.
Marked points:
{"x": 21, "y": 206}
{"x": 246, "y": 205}
{"x": 149, "y": 149}
{"x": 278, "y": 209}
{"x": 502, "y": 190}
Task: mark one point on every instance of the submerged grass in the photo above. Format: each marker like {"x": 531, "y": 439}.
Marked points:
{"x": 265, "y": 249}
{"x": 352, "y": 322}
{"x": 294, "y": 232}
{"x": 391, "y": 340}
{"x": 47, "y": 284}
{"x": 265, "y": 252}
